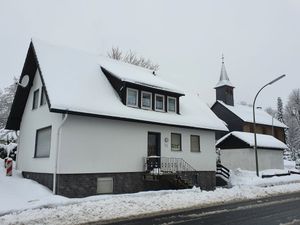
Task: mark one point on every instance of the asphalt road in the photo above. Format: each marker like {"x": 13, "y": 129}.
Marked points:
{"x": 283, "y": 210}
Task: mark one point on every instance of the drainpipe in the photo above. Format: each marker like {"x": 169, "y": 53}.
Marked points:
{"x": 57, "y": 151}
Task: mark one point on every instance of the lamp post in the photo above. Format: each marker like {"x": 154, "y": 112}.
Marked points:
{"x": 254, "y": 124}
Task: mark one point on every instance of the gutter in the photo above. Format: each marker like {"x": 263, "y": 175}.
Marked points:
{"x": 57, "y": 151}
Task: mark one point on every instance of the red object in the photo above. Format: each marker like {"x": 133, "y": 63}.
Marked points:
{"x": 9, "y": 165}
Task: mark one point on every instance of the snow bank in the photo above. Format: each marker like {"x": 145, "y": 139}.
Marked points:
{"x": 17, "y": 193}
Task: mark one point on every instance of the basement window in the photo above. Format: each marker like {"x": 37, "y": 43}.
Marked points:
{"x": 35, "y": 102}
{"x": 105, "y": 185}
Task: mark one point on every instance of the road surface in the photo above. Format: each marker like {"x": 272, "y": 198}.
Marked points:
{"x": 283, "y": 210}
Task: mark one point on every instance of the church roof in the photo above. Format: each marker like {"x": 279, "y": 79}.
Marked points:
{"x": 224, "y": 79}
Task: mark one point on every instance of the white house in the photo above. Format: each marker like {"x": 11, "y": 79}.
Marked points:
{"x": 236, "y": 151}
{"x": 87, "y": 125}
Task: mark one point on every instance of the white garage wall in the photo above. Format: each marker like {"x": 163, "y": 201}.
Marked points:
{"x": 245, "y": 159}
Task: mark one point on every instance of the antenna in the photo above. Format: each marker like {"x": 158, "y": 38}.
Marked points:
{"x": 24, "y": 82}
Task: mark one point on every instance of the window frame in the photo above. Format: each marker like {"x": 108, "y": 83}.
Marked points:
{"x": 36, "y": 138}
{"x": 180, "y": 149}
{"x": 191, "y": 149}
{"x": 144, "y": 107}
{"x": 175, "y": 107}
{"x": 43, "y": 96}
{"x": 159, "y": 110}
{"x": 137, "y": 97}
{"x": 36, "y": 95}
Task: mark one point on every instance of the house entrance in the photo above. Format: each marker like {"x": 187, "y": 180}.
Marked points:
{"x": 153, "y": 160}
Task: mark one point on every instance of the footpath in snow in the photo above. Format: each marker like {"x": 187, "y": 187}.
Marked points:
{"x": 30, "y": 203}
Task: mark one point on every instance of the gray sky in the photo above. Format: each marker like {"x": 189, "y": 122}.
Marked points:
{"x": 260, "y": 39}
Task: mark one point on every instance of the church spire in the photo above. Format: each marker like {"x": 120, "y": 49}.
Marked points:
{"x": 224, "y": 79}
{"x": 224, "y": 88}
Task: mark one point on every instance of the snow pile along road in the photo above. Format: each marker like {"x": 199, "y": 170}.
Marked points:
{"x": 18, "y": 194}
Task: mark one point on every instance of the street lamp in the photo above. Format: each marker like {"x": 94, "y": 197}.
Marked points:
{"x": 254, "y": 124}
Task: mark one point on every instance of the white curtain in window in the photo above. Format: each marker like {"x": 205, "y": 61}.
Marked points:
{"x": 43, "y": 142}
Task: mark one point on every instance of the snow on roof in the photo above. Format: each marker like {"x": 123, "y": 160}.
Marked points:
{"x": 263, "y": 140}
{"x": 246, "y": 114}
{"x": 138, "y": 75}
{"x": 75, "y": 82}
{"x": 224, "y": 79}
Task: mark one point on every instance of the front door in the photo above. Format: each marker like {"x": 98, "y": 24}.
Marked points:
{"x": 153, "y": 160}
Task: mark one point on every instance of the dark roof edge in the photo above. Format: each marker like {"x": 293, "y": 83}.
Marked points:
{"x": 63, "y": 111}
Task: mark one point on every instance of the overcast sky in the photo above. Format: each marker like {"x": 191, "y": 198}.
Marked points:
{"x": 260, "y": 39}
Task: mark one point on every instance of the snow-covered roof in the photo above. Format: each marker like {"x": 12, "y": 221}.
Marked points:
{"x": 138, "y": 75}
{"x": 75, "y": 82}
{"x": 224, "y": 79}
{"x": 246, "y": 114}
{"x": 263, "y": 140}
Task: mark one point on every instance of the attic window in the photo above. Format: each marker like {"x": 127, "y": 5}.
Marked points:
{"x": 35, "y": 102}
{"x": 171, "y": 104}
{"x": 159, "y": 102}
{"x": 132, "y": 97}
{"x": 43, "y": 97}
{"x": 146, "y": 100}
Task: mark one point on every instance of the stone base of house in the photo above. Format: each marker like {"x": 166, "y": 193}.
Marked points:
{"x": 82, "y": 185}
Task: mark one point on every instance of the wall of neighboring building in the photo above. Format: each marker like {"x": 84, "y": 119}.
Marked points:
{"x": 265, "y": 129}
{"x": 245, "y": 159}
{"x": 32, "y": 120}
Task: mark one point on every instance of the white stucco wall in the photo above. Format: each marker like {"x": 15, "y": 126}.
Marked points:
{"x": 94, "y": 145}
{"x": 31, "y": 121}
{"x": 245, "y": 159}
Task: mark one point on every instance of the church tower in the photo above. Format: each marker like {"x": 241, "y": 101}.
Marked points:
{"x": 224, "y": 88}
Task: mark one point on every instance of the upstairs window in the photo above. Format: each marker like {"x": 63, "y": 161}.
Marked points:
{"x": 175, "y": 142}
{"x": 132, "y": 97}
{"x": 146, "y": 100}
{"x": 43, "y": 97}
{"x": 159, "y": 102}
{"x": 35, "y": 102}
{"x": 172, "y": 104}
{"x": 43, "y": 142}
{"x": 195, "y": 143}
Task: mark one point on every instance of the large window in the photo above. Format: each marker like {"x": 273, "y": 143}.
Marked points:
{"x": 43, "y": 97}
{"x": 35, "y": 102}
{"x": 159, "y": 103}
{"x": 43, "y": 142}
{"x": 132, "y": 97}
{"x": 175, "y": 142}
{"x": 195, "y": 143}
{"x": 146, "y": 100}
{"x": 171, "y": 104}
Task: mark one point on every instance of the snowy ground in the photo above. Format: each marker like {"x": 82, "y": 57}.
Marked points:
{"x": 30, "y": 203}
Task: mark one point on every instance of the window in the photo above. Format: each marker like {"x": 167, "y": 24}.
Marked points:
{"x": 132, "y": 97}
{"x": 195, "y": 143}
{"x": 146, "y": 100}
{"x": 171, "y": 104}
{"x": 175, "y": 142}
{"x": 105, "y": 185}
{"x": 35, "y": 102}
{"x": 43, "y": 142}
{"x": 43, "y": 97}
{"x": 159, "y": 102}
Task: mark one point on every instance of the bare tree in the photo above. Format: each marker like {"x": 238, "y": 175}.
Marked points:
{"x": 6, "y": 99}
{"x": 292, "y": 119}
{"x": 132, "y": 58}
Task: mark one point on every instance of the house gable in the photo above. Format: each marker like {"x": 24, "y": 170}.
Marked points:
{"x": 30, "y": 67}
